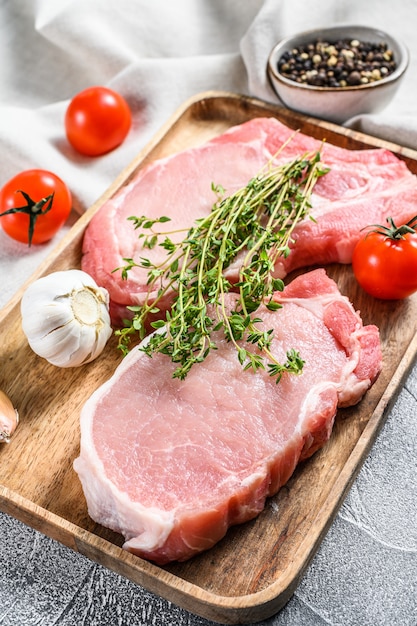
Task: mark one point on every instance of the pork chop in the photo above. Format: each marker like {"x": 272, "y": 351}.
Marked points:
{"x": 363, "y": 187}
{"x": 172, "y": 464}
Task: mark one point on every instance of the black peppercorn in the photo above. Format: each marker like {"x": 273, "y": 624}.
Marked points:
{"x": 347, "y": 62}
{"x": 354, "y": 78}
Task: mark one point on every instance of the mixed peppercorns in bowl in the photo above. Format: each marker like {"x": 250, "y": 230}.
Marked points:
{"x": 337, "y": 73}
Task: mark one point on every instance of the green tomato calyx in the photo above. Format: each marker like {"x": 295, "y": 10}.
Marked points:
{"x": 33, "y": 209}
{"x": 392, "y": 231}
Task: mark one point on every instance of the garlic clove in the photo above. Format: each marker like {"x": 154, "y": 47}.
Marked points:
{"x": 60, "y": 344}
{"x": 9, "y": 418}
{"x": 65, "y": 318}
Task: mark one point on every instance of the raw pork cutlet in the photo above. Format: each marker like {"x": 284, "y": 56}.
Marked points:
{"x": 179, "y": 187}
{"x": 362, "y": 188}
{"x": 172, "y": 464}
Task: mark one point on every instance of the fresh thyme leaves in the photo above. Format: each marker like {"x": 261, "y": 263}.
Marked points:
{"x": 251, "y": 228}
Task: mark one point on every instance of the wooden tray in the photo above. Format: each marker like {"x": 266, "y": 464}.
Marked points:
{"x": 253, "y": 572}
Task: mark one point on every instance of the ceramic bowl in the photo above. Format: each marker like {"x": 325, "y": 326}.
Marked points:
{"x": 337, "y": 104}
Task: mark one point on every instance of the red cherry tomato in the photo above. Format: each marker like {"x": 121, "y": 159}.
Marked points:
{"x": 385, "y": 265}
{"x": 31, "y": 193}
{"x": 97, "y": 120}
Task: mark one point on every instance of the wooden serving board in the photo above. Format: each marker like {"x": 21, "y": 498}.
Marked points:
{"x": 255, "y": 569}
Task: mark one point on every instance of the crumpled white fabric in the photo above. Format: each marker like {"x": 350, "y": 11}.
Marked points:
{"x": 158, "y": 53}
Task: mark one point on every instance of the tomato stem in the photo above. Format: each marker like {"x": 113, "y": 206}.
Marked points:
{"x": 392, "y": 231}
{"x": 32, "y": 209}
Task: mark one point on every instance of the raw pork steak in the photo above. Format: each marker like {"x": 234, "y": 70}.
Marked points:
{"x": 172, "y": 464}
{"x": 362, "y": 188}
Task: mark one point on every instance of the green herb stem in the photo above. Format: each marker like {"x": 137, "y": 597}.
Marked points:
{"x": 256, "y": 223}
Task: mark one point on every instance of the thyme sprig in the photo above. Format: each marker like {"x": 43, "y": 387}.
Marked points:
{"x": 252, "y": 227}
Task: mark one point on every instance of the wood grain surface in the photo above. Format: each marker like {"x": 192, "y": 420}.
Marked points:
{"x": 254, "y": 570}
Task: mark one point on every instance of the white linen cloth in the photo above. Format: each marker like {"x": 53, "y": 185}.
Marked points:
{"x": 158, "y": 53}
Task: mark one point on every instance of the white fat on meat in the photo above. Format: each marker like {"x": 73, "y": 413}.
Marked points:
{"x": 172, "y": 464}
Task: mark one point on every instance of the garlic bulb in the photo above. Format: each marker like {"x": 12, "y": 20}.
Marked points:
{"x": 9, "y": 418}
{"x": 65, "y": 317}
